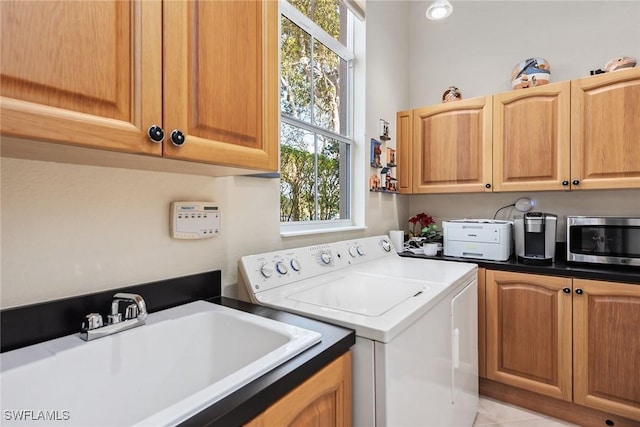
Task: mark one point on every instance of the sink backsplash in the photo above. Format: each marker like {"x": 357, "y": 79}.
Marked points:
{"x": 31, "y": 324}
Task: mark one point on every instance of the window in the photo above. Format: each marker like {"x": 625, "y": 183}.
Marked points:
{"x": 315, "y": 132}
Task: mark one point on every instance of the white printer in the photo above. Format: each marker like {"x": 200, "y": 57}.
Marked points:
{"x": 478, "y": 238}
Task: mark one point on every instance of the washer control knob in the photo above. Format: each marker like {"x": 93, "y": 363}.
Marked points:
{"x": 386, "y": 245}
{"x": 266, "y": 271}
{"x": 326, "y": 257}
{"x": 295, "y": 264}
{"x": 281, "y": 267}
{"x": 360, "y": 250}
{"x": 353, "y": 251}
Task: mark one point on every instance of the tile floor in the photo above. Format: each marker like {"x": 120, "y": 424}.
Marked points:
{"x": 499, "y": 414}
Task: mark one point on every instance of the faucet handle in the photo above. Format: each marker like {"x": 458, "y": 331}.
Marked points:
{"x": 92, "y": 321}
{"x": 131, "y": 312}
{"x": 133, "y": 300}
{"x": 114, "y": 318}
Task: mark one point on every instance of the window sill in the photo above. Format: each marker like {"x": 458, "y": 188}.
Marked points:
{"x": 310, "y": 231}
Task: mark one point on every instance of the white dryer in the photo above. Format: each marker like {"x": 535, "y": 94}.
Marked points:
{"x": 415, "y": 361}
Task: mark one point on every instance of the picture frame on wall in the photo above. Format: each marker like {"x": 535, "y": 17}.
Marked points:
{"x": 376, "y": 153}
{"x": 384, "y": 130}
{"x": 391, "y": 157}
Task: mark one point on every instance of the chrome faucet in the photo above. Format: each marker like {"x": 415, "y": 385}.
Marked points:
{"x": 135, "y": 314}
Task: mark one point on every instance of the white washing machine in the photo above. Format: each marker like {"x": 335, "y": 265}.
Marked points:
{"x": 415, "y": 361}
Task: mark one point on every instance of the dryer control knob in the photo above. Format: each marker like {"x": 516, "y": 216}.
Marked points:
{"x": 266, "y": 271}
{"x": 360, "y": 250}
{"x": 386, "y": 245}
{"x": 353, "y": 251}
{"x": 326, "y": 257}
{"x": 295, "y": 264}
{"x": 281, "y": 267}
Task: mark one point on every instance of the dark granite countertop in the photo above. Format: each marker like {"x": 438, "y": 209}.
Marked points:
{"x": 243, "y": 405}
{"x": 558, "y": 268}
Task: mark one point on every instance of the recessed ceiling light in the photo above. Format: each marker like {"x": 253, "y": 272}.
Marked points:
{"x": 439, "y": 9}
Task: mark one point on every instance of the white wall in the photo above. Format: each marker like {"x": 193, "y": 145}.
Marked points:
{"x": 387, "y": 93}
{"x": 561, "y": 203}
{"x": 476, "y": 48}
{"x": 69, "y": 230}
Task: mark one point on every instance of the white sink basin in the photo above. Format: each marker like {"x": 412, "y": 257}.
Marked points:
{"x": 183, "y": 360}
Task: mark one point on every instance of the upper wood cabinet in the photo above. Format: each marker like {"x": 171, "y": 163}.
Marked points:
{"x": 605, "y": 130}
{"x": 579, "y": 134}
{"x": 99, "y": 74}
{"x": 82, "y": 73}
{"x": 452, "y": 147}
{"x": 221, "y": 81}
{"x": 531, "y": 138}
{"x": 606, "y": 346}
{"x": 404, "y": 150}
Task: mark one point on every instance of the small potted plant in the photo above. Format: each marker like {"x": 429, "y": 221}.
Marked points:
{"x": 425, "y": 232}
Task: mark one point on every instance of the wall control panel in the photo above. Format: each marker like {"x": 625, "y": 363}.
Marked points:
{"x": 194, "y": 220}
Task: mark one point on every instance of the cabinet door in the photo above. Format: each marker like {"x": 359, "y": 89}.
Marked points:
{"x": 605, "y": 130}
{"x": 323, "y": 400}
{"x": 606, "y": 347}
{"x": 82, "y": 73}
{"x": 529, "y": 332}
{"x": 452, "y": 147}
{"x": 531, "y": 138}
{"x": 221, "y": 82}
{"x": 404, "y": 145}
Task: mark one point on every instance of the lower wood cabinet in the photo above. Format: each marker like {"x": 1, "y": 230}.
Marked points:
{"x": 571, "y": 339}
{"x": 606, "y": 347}
{"x": 529, "y": 332}
{"x": 322, "y": 400}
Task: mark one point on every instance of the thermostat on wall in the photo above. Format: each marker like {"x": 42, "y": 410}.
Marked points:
{"x": 194, "y": 220}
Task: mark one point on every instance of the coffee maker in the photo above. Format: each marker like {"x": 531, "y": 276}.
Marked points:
{"x": 535, "y": 236}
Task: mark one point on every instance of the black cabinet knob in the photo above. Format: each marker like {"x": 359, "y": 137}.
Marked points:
{"x": 177, "y": 138}
{"x": 566, "y": 290}
{"x": 575, "y": 182}
{"x": 565, "y": 182}
{"x": 155, "y": 133}
{"x": 579, "y": 291}
{"x": 487, "y": 185}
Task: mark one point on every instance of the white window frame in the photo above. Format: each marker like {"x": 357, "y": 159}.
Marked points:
{"x": 298, "y": 228}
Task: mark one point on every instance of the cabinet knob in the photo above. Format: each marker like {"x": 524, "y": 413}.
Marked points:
{"x": 565, "y": 182}
{"x": 566, "y": 290}
{"x": 487, "y": 185}
{"x": 155, "y": 133}
{"x": 575, "y": 182}
{"x": 579, "y": 291}
{"x": 177, "y": 138}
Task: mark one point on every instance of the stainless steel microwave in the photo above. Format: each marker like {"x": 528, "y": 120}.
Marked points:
{"x": 603, "y": 240}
